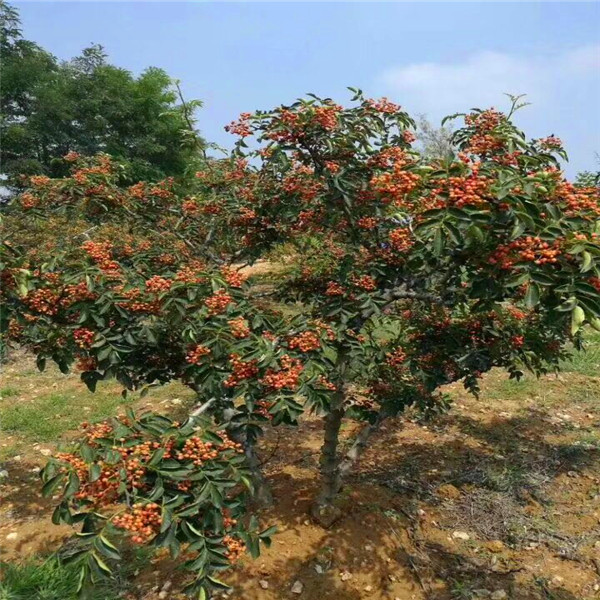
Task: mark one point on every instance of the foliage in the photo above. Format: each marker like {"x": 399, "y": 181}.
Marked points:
{"x": 87, "y": 105}
{"x": 160, "y": 482}
{"x": 49, "y": 579}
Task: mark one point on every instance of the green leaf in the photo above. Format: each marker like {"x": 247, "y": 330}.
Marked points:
{"x": 50, "y": 486}
{"x": 577, "y": 318}
{"x": 532, "y": 296}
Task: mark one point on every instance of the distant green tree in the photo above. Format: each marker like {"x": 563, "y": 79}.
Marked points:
{"x": 86, "y": 105}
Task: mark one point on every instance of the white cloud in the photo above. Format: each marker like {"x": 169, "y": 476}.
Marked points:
{"x": 439, "y": 88}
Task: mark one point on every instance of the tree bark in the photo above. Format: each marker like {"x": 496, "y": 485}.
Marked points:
{"x": 262, "y": 490}
{"x": 356, "y": 449}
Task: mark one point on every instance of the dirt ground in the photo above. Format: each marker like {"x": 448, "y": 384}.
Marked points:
{"x": 499, "y": 498}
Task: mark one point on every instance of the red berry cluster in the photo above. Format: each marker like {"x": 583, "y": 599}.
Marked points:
{"x": 218, "y": 302}
{"x": 143, "y": 522}
{"x": 84, "y": 338}
{"x": 241, "y": 370}
{"x": 401, "y": 239}
{"x": 396, "y": 358}
{"x": 287, "y": 377}
{"x": 384, "y": 106}
{"x": 528, "y": 249}
{"x": 365, "y": 282}
{"x": 158, "y": 284}
{"x": 305, "y": 341}
{"x": 239, "y": 328}
{"x": 195, "y": 355}
{"x": 232, "y": 277}
{"x": 334, "y": 289}
{"x": 235, "y": 548}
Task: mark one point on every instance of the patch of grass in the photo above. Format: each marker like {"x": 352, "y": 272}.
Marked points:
{"x": 7, "y": 392}
{"x": 47, "y": 580}
{"x": 47, "y": 417}
{"x": 586, "y": 362}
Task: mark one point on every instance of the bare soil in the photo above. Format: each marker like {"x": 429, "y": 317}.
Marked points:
{"x": 499, "y": 498}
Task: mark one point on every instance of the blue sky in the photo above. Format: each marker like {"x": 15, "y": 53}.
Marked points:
{"x": 433, "y": 58}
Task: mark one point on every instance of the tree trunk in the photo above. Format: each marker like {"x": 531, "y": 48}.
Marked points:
{"x": 358, "y": 446}
{"x": 262, "y": 490}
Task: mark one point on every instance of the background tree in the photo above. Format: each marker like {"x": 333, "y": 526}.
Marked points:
{"x": 86, "y": 105}
{"x": 434, "y": 142}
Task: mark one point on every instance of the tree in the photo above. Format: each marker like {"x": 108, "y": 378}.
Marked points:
{"x": 435, "y": 142}
{"x": 406, "y": 274}
{"x": 87, "y": 105}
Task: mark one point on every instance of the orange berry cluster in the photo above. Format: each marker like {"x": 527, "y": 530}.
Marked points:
{"x": 232, "y": 277}
{"x": 401, "y": 239}
{"x": 28, "y": 200}
{"x": 197, "y": 451}
{"x": 578, "y": 200}
{"x": 84, "y": 338}
{"x": 96, "y": 431}
{"x": 384, "y": 106}
{"x": 241, "y": 370}
{"x": 287, "y": 377}
{"x": 305, "y": 341}
{"x": 326, "y": 116}
{"x": 235, "y": 548}
{"x": 517, "y": 341}
{"x": 218, "y": 302}
{"x": 467, "y": 191}
{"x": 365, "y": 282}
{"x": 228, "y": 521}
{"x": 86, "y": 363}
{"x": 394, "y": 186}
{"x": 43, "y": 301}
{"x": 194, "y": 356}
{"x": 189, "y": 275}
{"x": 396, "y": 358}
{"x": 158, "y": 284}
{"x": 529, "y": 249}
{"x": 100, "y": 253}
{"x": 332, "y": 166}
{"x": 367, "y": 223}
{"x": 143, "y": 521}
{"x": 239, "y": 328}
{"x": 240, "y": 127}
{"x": 325, "y": 383}
{"x": 551, "y": 142}
{"x": 334, "y": 289}
{"x": 408, "y": 136}
{"x": 262, "y": 408}
{"x": 76, "y": 293}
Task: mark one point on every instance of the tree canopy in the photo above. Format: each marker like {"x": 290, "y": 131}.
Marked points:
{"x": 87, "y": 105}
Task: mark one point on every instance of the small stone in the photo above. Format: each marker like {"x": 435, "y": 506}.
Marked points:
{"x": 17, "y": 457}
{"x": 319, "y": 569}
{"x": 557, "y": 580}
{"x": 461, "y": 535}
{"x": 3, "y": 473}
{"x": 499, "y": 595}
{"x": 167, "y": 585}
{"x": 163, "y": 595}
{"x": 45, "y": 452}
{"x": 13, "y": 535}
{"x": 297, "y": 587}
{"x": 572, "y": 474}
{"x": 368, "y": 588}
{"x": 345, "y": 575}
{"x": 264, "y": 584}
